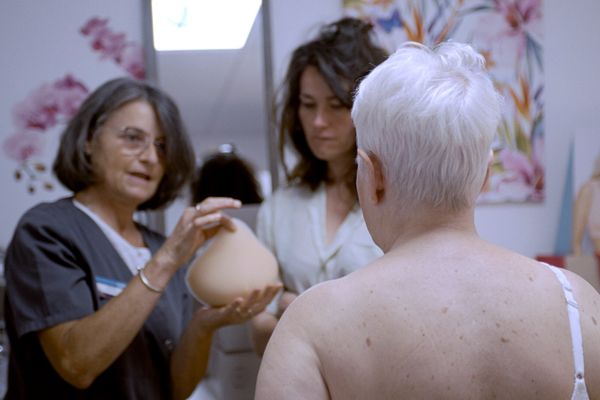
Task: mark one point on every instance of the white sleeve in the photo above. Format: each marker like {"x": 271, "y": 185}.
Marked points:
{"x": 264, "y": 224}
{"x": 264, "y": 232}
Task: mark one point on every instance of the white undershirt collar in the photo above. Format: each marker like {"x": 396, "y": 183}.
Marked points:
{"x": 134, "y": 257}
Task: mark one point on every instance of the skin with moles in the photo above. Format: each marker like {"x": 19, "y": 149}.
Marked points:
{"x": 443, "y": 314}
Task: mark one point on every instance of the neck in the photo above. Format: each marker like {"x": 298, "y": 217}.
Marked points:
{"x": 116, "y": 214}
{"x": 412, "y": 226}
{"x": 338, "y": 169}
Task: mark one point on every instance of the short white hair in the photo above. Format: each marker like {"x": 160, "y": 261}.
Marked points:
{"x": 430, "y": 117}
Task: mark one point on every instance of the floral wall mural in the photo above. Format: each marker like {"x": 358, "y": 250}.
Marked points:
{"x": 508, "y": 33}
{"x": 55, "y": 54}
{"x": 51, "y": 105}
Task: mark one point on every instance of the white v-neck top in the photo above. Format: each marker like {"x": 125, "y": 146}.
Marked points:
{"x": 134, "y": 257}
{"x": 292, "y": 224}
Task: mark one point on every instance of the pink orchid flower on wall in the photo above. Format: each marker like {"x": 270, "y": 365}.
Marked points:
{"x": 132, "y": 60}
{"x": 49, "y": 104}
{"x": 23, "y": 146}
{"x": 38, "y": 111}
{"x": 44, "y": 108}
{"x": 70, "y": 93}
{"x": 114, "y": 46}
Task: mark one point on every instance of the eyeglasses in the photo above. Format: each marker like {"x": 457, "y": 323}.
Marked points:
{"x": 136, "y": 141}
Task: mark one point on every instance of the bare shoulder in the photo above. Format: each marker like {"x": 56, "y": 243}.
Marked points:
{"x": 312, "y": 311}
{"x": 291, "y": 367}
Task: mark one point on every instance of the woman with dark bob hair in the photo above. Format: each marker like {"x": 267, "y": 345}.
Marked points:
{"x": 225, "y": 173}
{"x": 329, "y": 239}
{"x": 72, "y": 165}
{"x": 96, "y": 303}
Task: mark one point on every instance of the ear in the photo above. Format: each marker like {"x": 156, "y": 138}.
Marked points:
{"x": 488, "y": 173}
{"x": 376, "y": 184}
{"x": 87, "y": 150}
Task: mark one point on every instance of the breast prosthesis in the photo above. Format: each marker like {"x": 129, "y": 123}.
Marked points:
{"x": 232, "y": 265}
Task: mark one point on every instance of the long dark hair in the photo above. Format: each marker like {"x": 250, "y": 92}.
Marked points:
{"x": 344, "y": 52}
{"x": 72, "y": 166}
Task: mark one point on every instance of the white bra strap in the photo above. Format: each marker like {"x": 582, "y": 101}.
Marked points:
{"x": 574, "y": 323}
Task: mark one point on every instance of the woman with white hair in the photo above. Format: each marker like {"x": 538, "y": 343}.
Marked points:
{"x": 586, "y": 213}
{"x": 443, "y": 314}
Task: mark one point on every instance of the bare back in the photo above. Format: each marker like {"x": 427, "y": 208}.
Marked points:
{"x": 490, "y": 325}
{"x": 458, "y": 328}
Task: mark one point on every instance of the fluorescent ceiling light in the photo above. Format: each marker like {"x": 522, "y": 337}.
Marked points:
{"x": 202, "y": 24}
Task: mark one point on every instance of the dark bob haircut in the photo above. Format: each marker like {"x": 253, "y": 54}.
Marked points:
{"x": 344, "y": 52}
{"x": 225, "y": 174}
{"x": 73, "y": 167}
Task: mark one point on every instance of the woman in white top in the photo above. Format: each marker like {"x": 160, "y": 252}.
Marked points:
{"x": 314, "y": 225}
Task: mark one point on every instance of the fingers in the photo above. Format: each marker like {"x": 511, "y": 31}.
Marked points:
{"x": 258, "y": 300}
{"x": 227, "y": 222}
{"x": 243, "y": 309}
{"x": 213, "y": 204}
{"x": 271, "y": 291}
{"x": 209, "y": 215}
{"x": 214, "y": 220}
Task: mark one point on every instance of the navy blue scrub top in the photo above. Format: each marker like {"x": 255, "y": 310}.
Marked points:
{"x": 54, "y": 263}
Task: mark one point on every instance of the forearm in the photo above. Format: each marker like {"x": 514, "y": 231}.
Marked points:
{"x": 81, "y": 350}
{"x": 189, "y": 360}
{"x": 263, "y": 326}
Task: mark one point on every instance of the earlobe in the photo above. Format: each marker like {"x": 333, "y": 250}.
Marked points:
{"x": 375, "y": 174}
{"x": 87, "y": 149}
{"x": 379, "y": 179}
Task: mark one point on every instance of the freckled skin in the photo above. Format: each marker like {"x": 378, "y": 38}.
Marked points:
{"x": 436, "y": 322}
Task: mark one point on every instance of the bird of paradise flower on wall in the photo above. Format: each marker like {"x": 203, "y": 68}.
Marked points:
{"x": 508, "y": 34}
{"x": 51, "y": 105}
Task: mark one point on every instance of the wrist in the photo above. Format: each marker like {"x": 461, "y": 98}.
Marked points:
{"x": 155, "y": 276}
{"x": 146, "y": 282}
{"x": 205, "y": 325}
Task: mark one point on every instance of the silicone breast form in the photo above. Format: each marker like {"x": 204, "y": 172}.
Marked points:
{"x": 233, "y": 264}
